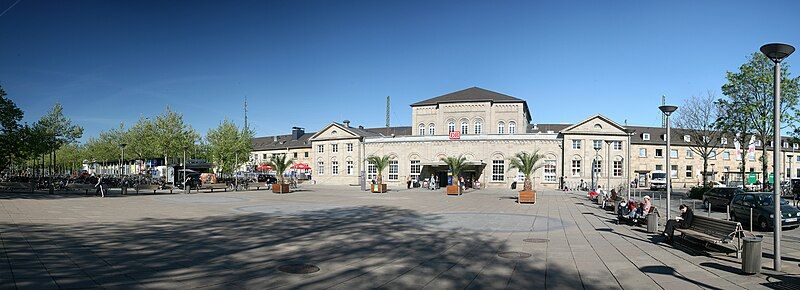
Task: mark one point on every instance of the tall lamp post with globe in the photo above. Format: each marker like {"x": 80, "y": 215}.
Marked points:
{"x": 668, "y": 110}
{"x": 777, "y": 52}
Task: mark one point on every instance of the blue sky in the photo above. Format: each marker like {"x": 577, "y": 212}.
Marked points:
{"x": 307, "y": 63}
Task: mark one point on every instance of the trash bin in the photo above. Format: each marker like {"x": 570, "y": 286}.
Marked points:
{"x": 514, "y": 185}
{"x": 652, "y": 223}
{"x": 751, "y": 255}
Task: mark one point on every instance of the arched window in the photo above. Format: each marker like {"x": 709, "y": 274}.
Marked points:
{"x": 501, "y": 127}
{"x": 451, "y": 126}
{"x": 549, "y": 167}
{"x": 464, "y": 127}
{"x": 512, "y": 127}
{"x": 421, "y": 129}
{"x": 431, "y": 129}
{"x": 478, "y": 126}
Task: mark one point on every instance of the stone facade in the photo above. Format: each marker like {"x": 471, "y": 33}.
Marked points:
{"x": 338, "y": 152}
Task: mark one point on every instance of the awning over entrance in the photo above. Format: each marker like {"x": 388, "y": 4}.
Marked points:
{"x": 441, "y": 163}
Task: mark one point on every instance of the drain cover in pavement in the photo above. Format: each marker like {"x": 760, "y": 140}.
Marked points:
{"x": 514, "y": 255}
{"x": 536, "y": 241}
{"x": 298, "y": 268}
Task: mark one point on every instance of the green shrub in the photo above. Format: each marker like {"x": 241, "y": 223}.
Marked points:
{"x": 696, "y": 192}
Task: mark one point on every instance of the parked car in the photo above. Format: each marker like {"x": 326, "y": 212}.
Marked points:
{"x": 719, "y": 197}
{"x": 763, "y": 210}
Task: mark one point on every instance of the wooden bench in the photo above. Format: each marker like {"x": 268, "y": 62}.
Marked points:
{"x": 151, "y": 187}
{"x": 622, "y": 218}
{"x": 86, "y": 187}
{"x": 715, "y": 231}
{"x": 213, "y": 186}
{"x": 11, "y": 186}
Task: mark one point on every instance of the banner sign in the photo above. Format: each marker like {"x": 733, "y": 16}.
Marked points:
{"x": 455, "y": 135}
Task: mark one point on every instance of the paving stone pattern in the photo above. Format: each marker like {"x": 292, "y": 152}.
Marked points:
{"x": 408, "y": 239}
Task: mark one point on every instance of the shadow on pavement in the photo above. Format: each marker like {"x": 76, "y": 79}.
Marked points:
{"x": 355, "y": 247}
{"x": 669, "y": 271}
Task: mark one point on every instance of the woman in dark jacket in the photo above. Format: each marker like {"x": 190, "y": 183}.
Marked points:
{"x": 682, "y": 222}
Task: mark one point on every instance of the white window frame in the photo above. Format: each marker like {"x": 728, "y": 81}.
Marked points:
{"x": 421, "y": 129}
{"x": 617, "y": 145}
{"x": 597, "y": 144}
{"x": 334, "y": 167}
{"x": 350, "y": 167}
{"x": 464, "y": 127}
{"x": 334, "y": 148}
{"x": 688, "y": 172}
{"x": 597, "y": 167}
{"x": 687, "y": 138}
{"x": 674, "y": 172}
{"x": 576, "y": 144}
{"x": 549, "y": 173}
{"x": 451, "y": 126}
{"x": 478, "y": 127}
{"x": 616, "y": 168}
{"x": 498, "y": 170}
{"x": 512, "y": 127}
{"x": 673, "y": 156}
{"x": 349, "y": 147}
{"x": 321, "y": 148}
{"x": 646, "y": 136}
{"x": 501, "y": 127}
{"x": 723, "y": 141}
{"x": 689, "y": 154}
{"x": 431, "y": 129}
{"x": 576, "y": 168}
{"x": 372, "y": 171}
{"x": 320, "y": 168}
{"x": 726, "y": 155}
{"x": 394, "y": 170}
{"x": 642, "y": 152}
{"x": 415, "y": 169}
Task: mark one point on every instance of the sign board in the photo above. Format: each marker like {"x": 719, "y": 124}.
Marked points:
{"x": 772, "y": 178}
{"x": 751, "y": 178}
{"x": 455, "y": 135}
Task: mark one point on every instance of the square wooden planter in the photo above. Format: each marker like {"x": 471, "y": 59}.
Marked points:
{"x": 527, "y": 197}
{"x": 280, "y": 188}
{"x": 452, "y": 190}
{"x": 379, "y": 188}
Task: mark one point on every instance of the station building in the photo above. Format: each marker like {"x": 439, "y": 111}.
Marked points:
{"x": 488, "y": 128}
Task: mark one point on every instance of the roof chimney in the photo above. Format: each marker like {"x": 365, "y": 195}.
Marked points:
{"x": 297, "y": 132}
{"x": 275, "y": 138}
{"x": 346, "y": 123}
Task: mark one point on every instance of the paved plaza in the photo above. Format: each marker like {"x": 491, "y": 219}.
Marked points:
{"x": 342, "y": 238}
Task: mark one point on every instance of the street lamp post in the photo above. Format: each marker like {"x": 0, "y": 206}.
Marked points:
{"x": 777, "y": 52}
{"x": 608, "y": 164}
{"x": 668, "y": 110}
{"x": 184, "y": 167}
{"x": 628, "y": 161}
{"x": 124, "y": 188}
{"x": 594, "y": 164}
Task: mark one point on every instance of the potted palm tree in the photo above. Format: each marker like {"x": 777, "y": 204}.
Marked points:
{"x": 526, "y": 163}
{"x": 380, "y": 162}
{"x": 456, "y": 165}
{"x": 279, "y": 162}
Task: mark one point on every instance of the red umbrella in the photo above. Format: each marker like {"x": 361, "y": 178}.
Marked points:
{"x": 264, "y": 167}
{"x": 301, "y": 166}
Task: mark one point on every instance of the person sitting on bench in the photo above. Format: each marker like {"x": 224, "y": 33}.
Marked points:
{"x": 644, "y": 209}
{"x": 684, "y": 222}
{"x": 632, "y": 208}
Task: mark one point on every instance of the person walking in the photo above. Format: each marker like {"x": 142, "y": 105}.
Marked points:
{"x": 408, "y": 182}
{"x": 99, "y": 186}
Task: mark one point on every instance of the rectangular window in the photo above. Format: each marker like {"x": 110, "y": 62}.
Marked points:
{"x": 349, "y": 147}
{"x": 597, "y": 144}
{"x": 576, "y": 144}
{"x": 674, "y": 171}
{"x": 576, "y": 168}
{"x": 659, "y": 167}
{"x": 550, "y": 170}
{"x": 642, "y": 152}
{"x": 295, "y": 155}
{"x": 349, "y": 167}
{"x": 320, "y": 168}
{"x": 712, "y": 155}
{"x": 673, "y": 153}
{"x": 598, "y": 167}
{"x": 659, "y": 152}
{"x": 305, "y": 154}
{"x": 320, "y": 148}
{"x": 688, "y": 171}
{"x": 393, "y": 170}
{"x": 726, "y": 169}
{"x": 334, "y": 148}
{"x": 335, "y": 167}
{"x": 416, "y": 169}
{"x": 617, "y": 145}
{"x": 726, "y": 155}
{"x": 751, "y": 157}
{"x": 689, "y": 153}
{"x": 372, "y": 171}
{"x": 646, "y": 136}
{"x": 617, "y": 165}
{"x": 264, "y": 156}
{"x": 498, "y": 170}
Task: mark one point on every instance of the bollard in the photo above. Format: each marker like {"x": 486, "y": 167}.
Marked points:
{"x": 728, "y": 211}
{"x": 709, "y": 208}
{"x": 751, "y": 219}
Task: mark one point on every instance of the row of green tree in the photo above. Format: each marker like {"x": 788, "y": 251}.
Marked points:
{"x": 745, "y": 110}
{"x": 51, "y": 143}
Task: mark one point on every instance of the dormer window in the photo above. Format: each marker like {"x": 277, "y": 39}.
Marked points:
{"x": 646, "y": 136}
{"x": 687, "y": 138}
{"x": 785, "y": 144}
{"x": 663, "y": 136}
{"x": 723, "y": 141}
{"x": 794, "y": 145}
{"x": 758, "y": 143}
